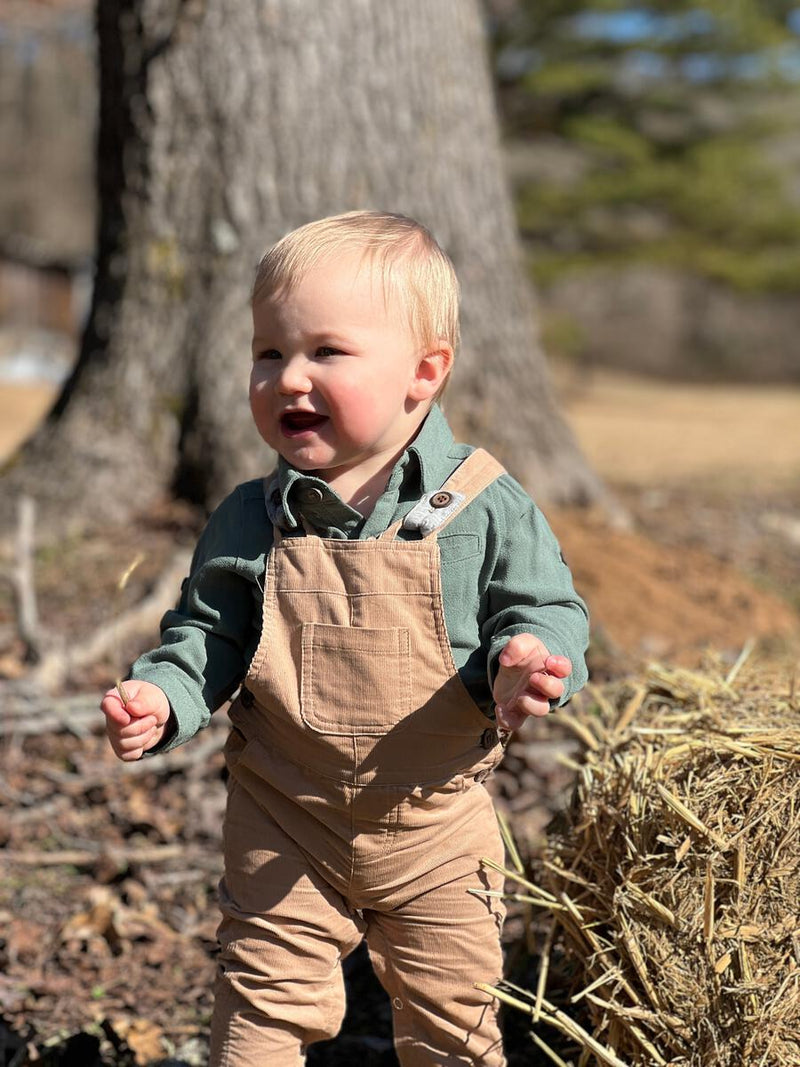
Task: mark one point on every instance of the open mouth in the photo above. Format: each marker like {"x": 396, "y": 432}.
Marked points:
{"x": 294, "y": 423}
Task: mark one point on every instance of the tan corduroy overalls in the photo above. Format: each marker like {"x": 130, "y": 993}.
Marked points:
{"x": 356, "y": 807}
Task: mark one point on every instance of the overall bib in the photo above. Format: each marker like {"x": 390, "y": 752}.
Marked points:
{"x": 356, "y": 807}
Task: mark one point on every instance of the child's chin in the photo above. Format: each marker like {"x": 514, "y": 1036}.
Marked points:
{"x": 304, "y": 459}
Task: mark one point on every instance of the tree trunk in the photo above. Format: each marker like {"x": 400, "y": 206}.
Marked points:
{"x": 221, "y": 127}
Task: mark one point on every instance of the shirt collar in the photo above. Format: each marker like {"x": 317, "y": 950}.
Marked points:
{"x": 432, "y": 447}
{"x": 304, "y": 494}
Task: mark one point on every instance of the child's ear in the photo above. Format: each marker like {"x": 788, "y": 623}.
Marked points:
{"x": 431, "y": 371}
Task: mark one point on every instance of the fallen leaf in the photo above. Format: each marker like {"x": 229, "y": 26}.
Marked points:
{"x": 142, "y": 1037}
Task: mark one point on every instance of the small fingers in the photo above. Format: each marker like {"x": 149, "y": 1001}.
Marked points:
{"x": 512, "y": 717}
{"x": 112, "y": 708}
{"x": 131, "y": 755}
{"x": 532, "y": 704}
{"x": 560, "y": 666}
{"x": 131, "y": 740}
{"x": 138, "y": 727}
{"x": 125, "y": 748}
{"x": 546, "y": 685}
{"x": 131, "y": 747}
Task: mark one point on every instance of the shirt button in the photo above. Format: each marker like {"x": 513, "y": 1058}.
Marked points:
{"x": 397, "y": 1003}
{"x": 488, "y": 739}
{"x": 312, "y": 495}
{"x": 441, "y": 500}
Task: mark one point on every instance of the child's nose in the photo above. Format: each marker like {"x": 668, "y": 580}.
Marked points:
{"x": 294, "y": 378}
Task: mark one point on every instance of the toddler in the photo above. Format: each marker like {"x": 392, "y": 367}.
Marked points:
{"x": 386, "y": 607}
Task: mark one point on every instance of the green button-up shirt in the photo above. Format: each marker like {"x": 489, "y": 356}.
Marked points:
{"x": 502, "y": 574}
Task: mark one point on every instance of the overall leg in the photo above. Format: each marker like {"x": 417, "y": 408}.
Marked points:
{"x": 429, "y": 952}
{"x": 283, "y": 934}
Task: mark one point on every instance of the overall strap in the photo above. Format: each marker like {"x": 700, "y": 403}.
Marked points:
{"x": 435, "y": 510}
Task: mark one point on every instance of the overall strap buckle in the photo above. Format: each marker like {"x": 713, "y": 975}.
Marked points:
{"x": 440, "y": 507}
{"x": 432, "y": 511}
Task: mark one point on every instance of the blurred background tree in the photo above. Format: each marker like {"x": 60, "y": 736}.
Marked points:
{"x": 655, "y": 152}
{"x": 221, "y": 128}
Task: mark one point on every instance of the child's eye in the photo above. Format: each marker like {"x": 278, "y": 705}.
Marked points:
{"x": 326, "y": 351}
{"x": 268, "y": 353}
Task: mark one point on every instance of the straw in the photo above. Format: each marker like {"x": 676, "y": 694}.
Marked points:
{"x": 674, "y": 877}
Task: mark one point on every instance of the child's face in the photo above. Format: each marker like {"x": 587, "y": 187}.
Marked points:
{"x": 339, "y": 383}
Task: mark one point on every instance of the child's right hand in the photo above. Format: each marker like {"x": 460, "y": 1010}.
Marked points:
{"x": 139, "y": 725}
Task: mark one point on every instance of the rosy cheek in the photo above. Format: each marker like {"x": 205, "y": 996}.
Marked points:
{"x": 355, "y": 404}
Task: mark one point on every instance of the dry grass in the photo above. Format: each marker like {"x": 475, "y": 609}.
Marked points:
{"x": 674, "y": 881}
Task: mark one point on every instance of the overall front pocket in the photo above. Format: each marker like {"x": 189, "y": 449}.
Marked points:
{"x": 354, "y": 680}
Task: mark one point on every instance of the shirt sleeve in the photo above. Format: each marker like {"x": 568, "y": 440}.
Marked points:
{"x": 531, "y": 591}
{"x": 207, "y": 639}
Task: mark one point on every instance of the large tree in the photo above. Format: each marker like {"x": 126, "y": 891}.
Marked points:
{"x": 223, "y": 125}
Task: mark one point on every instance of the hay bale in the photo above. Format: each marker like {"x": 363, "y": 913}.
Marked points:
{"x": 674, "y": 879}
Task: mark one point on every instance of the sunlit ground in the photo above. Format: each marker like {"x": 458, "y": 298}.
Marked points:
{"x": 640, "y": 431}
{"x": 21, "y": 409}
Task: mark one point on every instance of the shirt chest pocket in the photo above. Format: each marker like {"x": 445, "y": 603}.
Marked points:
{"x": 354, "y": 680}
{"x": 457, "y": 547}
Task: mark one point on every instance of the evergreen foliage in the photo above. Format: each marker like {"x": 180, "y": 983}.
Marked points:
{"x": 677, "y": 117}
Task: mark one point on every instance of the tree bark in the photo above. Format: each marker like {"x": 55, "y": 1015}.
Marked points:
{"x": 224, "y": 125}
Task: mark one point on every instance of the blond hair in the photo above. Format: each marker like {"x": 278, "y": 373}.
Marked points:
{"x": 415, "y": 270}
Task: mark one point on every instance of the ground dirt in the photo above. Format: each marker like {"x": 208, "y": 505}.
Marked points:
{"x": 107, "y": 881}
{"x": 21, "y": 408}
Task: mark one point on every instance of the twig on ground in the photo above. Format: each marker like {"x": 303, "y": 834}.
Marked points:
{"x": 19, "y": 575}
{"x": 57, "y": 663}
{"x": 82, "y": 857}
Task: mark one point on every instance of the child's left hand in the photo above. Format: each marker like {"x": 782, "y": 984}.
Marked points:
{"x": 527, "y": 680}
